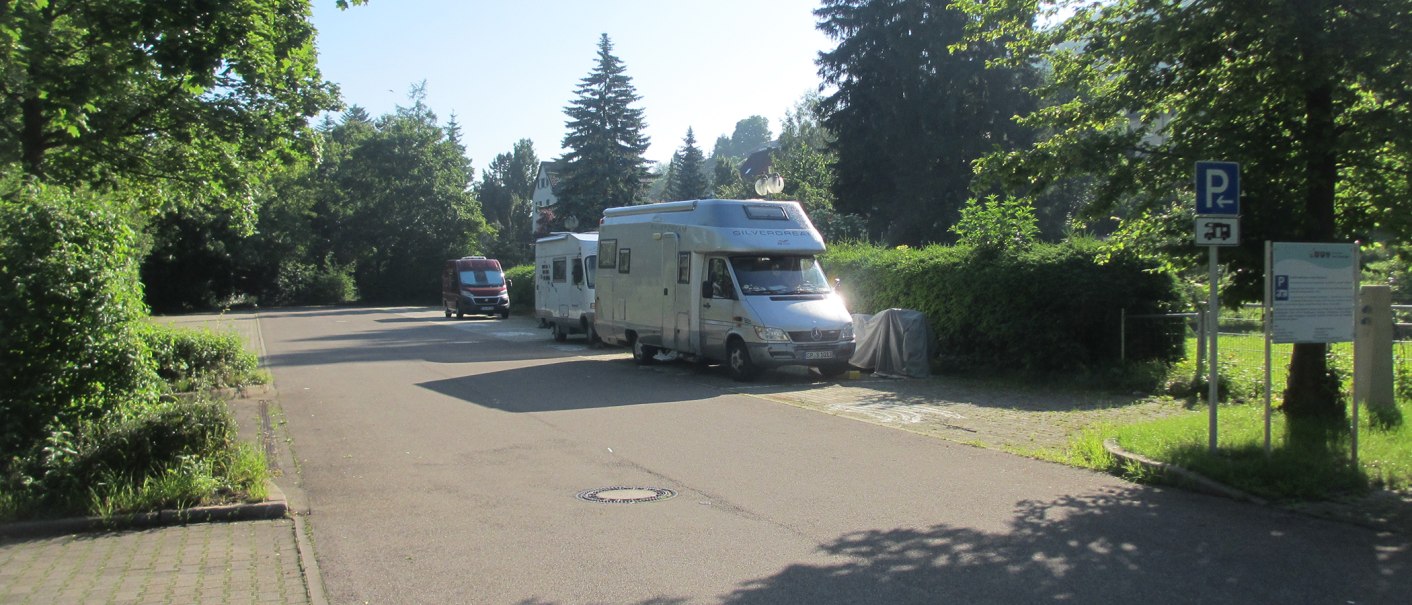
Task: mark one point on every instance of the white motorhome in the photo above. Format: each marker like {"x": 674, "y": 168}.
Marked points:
{"x": 731, "y": 281}
{"x": 564, "y": 283}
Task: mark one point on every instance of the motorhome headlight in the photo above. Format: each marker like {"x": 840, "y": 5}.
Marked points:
{"x": 771, "y": 334}
{"x": 846, "y": 333}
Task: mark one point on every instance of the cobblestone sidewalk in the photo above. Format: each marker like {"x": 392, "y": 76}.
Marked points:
{"x": 246, "y": 562}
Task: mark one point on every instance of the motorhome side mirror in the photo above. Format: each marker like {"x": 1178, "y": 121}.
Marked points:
{"x": 837, "y": 281}
{"x": 509, "y": 283}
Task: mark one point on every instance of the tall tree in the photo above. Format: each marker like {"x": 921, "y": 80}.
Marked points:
{"x": 399, "y": 203}
{"x": 180, "y": 102}
{"x": 505, "y": 193}
{"x": 687, "y": 178}
{"x": 604, "y": 166}
{"x": 1312, "y": 97}
{"x": 807, "y": 164}
{"x": 750, "y": 135}
{"x": 911, "y": 113}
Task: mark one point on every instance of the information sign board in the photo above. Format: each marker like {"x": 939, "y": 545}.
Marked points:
{"x": 1313, "y": 292}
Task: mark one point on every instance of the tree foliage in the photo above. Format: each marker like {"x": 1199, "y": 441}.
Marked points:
{"x": 179, "y": 102}
{"x": 910, "y": 113}
{"x": 604, "y": 165}
{"x": 506, "y": 190}
{"x": 1312, "y": 97}
{"x": 686, "y": 176}
{"x": 750, "y": 135}
{"x": 398, "y": 203}
{"x": 69, "y": 347}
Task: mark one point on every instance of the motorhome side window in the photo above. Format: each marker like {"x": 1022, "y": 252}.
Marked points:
{"x": 683, "y": 267}
{"x": 558, "y": 275}
{"x": 625, "y": 260}
{"x": 578, "y": 271}
{"x": 590, "y": 269}
{"x": 607, "y": 253}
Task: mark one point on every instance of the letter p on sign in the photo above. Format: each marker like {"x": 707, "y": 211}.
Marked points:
{"x": 1218, "y": 188}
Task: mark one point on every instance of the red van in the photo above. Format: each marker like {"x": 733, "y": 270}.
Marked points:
{"x": 476, "y": 285}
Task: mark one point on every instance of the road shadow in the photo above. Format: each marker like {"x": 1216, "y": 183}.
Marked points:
{"x": 429, "y": 340}
{"x": 1124, "y": 546}
{"x": 560, "y": 385}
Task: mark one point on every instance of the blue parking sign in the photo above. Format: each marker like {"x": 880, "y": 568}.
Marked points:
{"x": 1218, "y": 188}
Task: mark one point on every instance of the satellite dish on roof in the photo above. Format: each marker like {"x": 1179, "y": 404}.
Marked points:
{"x": 571, "y": 222}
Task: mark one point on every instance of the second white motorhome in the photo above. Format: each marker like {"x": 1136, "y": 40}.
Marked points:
{"x": 565, "y": 264}
{"x": 732, "y": 281}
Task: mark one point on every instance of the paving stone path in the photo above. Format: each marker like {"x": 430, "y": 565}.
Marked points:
{"x": 251, "y": 562}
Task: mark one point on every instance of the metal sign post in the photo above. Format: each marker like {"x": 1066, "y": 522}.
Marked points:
{"x": 1217, "y": 224}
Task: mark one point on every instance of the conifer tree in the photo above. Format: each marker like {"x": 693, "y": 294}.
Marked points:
{"x": 687, "y": 179}
{"x": 604, "y": 165}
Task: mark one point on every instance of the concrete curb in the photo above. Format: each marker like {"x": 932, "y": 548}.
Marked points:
{"x": 1193, "y": 480}
{"x": 275, "y": 507}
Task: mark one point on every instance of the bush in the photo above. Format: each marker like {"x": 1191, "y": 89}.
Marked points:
{"x": 521, "y": 288}
{"x": 1047, "y": 308}
{"x": 301, "y": 283}
{"x": 177, "y": 452}
{"x": 71, "y": 315}
{"x": 197, "y": 359}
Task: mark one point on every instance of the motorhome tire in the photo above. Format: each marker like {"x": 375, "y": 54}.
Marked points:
{"x": 460, "y": 314}
{"x": 505, "y": 314}
{"x": 558, "y": 332}
{"x": 738, "y": 361}
{"x": 643, "y": 355}
{"x": 447, "y": 310}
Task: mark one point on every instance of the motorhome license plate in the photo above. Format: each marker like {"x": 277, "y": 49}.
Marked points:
{"x": 818, "y": 354}
{"x": 487, "y": 308}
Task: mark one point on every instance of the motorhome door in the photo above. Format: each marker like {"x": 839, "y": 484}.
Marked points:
{"x": 676, "y": 281}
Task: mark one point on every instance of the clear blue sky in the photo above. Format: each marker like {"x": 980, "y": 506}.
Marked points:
{"x": 507, "y": 69}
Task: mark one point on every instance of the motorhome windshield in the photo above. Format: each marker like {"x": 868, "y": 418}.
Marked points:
{"x": 780, "y": 274}
{"x": 481, "y": 278}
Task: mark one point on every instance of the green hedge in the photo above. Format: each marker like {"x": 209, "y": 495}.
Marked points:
{"x": 190, "y": 359}
{"x": 1052, "y": 307}
{"x": 521, "y": 288}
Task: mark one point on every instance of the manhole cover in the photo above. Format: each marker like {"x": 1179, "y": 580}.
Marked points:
{"x": 625, "y": 495}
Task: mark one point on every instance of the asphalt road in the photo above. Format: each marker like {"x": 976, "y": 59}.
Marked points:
{"x": 442, "y": 462}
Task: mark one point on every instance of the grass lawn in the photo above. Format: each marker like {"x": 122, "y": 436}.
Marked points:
{"x": 1283, "y": 474}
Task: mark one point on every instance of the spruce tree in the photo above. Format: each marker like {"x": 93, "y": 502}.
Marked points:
{"x": 688, "y": 177}
{"x": 604, "y": 165}
{"x": 911, "y": 111}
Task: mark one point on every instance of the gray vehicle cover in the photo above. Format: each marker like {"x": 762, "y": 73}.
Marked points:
{"x": 895, "y": 342}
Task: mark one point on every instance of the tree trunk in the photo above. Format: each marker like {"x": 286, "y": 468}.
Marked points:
{"x": 1312, "y": 396}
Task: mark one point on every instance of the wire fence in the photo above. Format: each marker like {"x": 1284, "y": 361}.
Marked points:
{"x": 1241, "y": 349}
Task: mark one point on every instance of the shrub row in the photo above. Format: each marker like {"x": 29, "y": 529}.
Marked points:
{"x": 521, "y": 288}
{"x": 86, "y": 427}
{"x": 1047, "y": 308}
{"x": 198, "y": 359}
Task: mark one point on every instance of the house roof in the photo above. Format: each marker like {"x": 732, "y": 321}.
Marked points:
{"x": 758, "y": 164}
